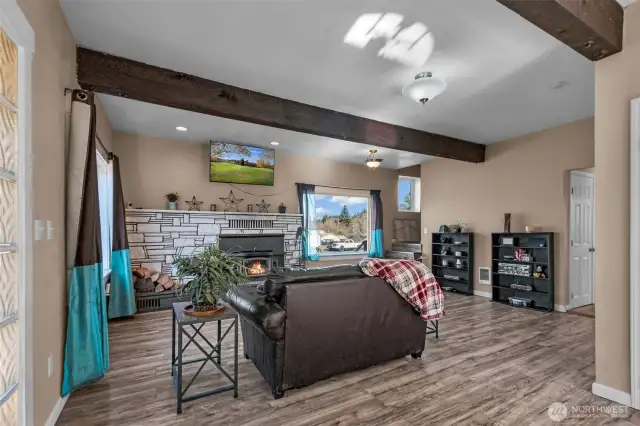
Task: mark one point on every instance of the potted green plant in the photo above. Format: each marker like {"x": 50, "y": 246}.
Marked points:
{"x": 212, "y": 273}
{"x": 282, "y": 208}
{"x": 458, "y": 227}
{"x": 172, "y": 200}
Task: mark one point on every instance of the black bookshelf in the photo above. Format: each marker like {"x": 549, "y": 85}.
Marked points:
{"x": 516, "y": 257}
{"x": 444, "y": 246}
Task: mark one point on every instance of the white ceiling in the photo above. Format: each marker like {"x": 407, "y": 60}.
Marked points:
{"x": 625, "y": 3}
{"x": 140, "y": 118}
{"x": 500, "y": 69}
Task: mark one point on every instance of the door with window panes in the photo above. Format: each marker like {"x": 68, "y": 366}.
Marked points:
{"x": 9, "y": 337}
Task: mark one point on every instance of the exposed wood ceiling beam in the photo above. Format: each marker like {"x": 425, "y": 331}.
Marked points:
{"x": 592, "y": 28}
{"x": 103, "y": 73}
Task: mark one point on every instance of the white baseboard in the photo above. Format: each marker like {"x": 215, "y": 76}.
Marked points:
{"x": 482, "y": 294}
{"x": 560, "y": 308}
{"x": 611, "y": 394}
{"x": 57, "y": 410}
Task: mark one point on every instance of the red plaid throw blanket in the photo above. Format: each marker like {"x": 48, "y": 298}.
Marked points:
{"x": 413, "y": 281}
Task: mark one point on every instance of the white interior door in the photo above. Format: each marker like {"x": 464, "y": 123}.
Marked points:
{"x": 581, "y": 249}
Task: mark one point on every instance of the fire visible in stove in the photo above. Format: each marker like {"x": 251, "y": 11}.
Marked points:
{"x": 257, "y": 267}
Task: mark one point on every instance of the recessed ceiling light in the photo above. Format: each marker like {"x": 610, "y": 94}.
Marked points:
{"x": 275, "y": 143}
{"x": 559, "y": 85}
{"x": 181, "y": 128}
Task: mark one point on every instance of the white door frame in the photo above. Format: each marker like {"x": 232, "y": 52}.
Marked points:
{"x": 634, "y": 252}
{"x": 593, "y": 220}
{"x": 17, "y": 27}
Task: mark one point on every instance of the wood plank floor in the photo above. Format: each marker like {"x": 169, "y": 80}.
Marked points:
{"x": 493, "y": 364}
{"x": 587, "y": 311}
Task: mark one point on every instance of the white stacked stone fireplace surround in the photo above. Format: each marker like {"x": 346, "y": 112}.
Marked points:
{"x": 157, "y": 236}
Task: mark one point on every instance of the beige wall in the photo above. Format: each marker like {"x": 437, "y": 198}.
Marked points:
{"x": 527, "y": 177}
{"x": 153, "y": 167}
{"x": 53, "y": 71}
{"x": 617, "y": 83}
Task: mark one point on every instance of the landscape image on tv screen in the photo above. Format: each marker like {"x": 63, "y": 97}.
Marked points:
{"x": 233, "y": 163}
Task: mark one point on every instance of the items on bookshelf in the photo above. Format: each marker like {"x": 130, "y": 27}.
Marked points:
{"x": 520, "y": 302}
{"x": 458, "y": 227}
{"x": 523, "y": 287}
{"x": 444, "y": 228}
{"x": 539, "y": 273}
{"x": 507, "y": 241}
{"x": 523, "y": 256}
{"x": 531, "y": 228}
{"x": 453, "y": 266}
{"x": 514, "y": 269}
{"x": 523, "y": 269}
{"x": 507, "y": 223}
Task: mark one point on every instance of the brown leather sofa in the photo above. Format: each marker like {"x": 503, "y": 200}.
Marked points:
{"x": 308, "y": 325}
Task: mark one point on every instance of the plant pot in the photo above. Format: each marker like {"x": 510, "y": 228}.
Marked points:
{"x": 203, "y": 307}
{"x": 282, "y": 210}
{"x": 172, "y": 205}
{"x": 211, "y": 311}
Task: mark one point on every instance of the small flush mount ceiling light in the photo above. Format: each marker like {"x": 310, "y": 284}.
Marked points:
{"x": 372, "y": 161}
{"x": 274, "y": 143}
{"x": 424, "y": 88}
{"x": 181, "y": 128}
{"x": 559, "y": 85}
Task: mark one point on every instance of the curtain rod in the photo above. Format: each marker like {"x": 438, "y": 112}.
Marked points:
{"x": 344, "y": 187}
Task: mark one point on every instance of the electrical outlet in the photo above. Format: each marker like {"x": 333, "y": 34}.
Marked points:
{"x": 426, "y": 230}
{"x": 50, "y": 230}
{"x": 50, "y": 366}
{"x": 39, "y": 228}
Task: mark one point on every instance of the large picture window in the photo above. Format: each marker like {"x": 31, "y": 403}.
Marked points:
{"x": 342, "y": 223}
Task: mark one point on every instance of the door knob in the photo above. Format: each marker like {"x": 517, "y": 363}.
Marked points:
{"x": 592, "y": 250}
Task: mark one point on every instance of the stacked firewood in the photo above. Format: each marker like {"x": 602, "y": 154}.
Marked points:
{"x": 145, "y": 281}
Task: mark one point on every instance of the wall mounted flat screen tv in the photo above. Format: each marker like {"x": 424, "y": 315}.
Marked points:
{"x": 235, "y": 163}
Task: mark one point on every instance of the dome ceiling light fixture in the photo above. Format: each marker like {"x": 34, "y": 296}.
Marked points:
{"x": 371, "y": 161}
{"x": 424, "y": 87}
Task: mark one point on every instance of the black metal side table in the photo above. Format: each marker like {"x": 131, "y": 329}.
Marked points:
{"x": 184, "y": 324}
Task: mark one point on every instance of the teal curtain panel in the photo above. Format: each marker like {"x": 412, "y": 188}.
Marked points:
{"x": 86, "y": 354}
{"x": 307, "y": 201}
{"x": 377, "y": 246}
{"x": 122, "y": 297}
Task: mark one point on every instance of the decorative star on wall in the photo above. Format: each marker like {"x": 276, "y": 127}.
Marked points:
{"x": 194, "y": 205}
{"x": 263, "y": 207}
{"x": 231, "y": 202}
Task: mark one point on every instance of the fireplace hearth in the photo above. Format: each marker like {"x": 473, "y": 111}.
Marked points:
{"x": 261, "y": 253}
{"x": 258, "y": 263}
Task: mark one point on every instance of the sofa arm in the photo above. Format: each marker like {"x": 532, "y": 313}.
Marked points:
{"x": 269, "y": 317}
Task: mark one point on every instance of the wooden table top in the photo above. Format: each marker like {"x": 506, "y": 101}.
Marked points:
{"x": 182, "y": 318}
